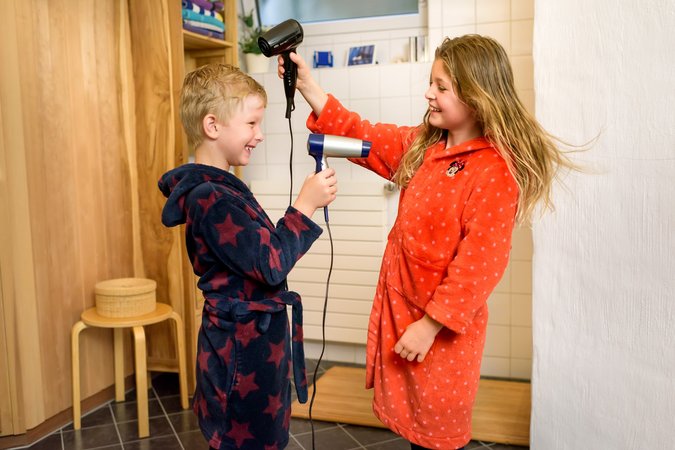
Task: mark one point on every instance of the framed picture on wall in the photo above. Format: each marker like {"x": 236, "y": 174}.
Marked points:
{"x": 364, "y": 54}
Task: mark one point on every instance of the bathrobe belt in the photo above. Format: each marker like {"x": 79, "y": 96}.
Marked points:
{"x": 230, "y": 311}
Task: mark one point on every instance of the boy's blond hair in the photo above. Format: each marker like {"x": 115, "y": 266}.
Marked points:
{"x": 482, "y": 78}
{"x": 217, "y": 89}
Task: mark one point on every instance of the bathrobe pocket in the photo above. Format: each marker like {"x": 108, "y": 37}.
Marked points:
{"x": 418, "y": 277}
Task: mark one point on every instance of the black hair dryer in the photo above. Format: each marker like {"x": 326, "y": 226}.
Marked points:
{"x": 282, "y": 40}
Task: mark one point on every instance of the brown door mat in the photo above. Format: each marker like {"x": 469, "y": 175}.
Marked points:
{"x": 501, "y": 413}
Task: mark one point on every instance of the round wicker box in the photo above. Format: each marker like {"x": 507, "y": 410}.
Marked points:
{"x": 125, "y": 297}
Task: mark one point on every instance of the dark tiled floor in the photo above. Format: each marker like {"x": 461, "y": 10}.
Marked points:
{"x": 114, "y": 427}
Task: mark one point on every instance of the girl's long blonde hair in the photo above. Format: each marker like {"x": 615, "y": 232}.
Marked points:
{"x": 482, "y": 78}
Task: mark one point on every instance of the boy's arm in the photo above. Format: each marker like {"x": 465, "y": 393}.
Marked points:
{"x": 239, "y": 241}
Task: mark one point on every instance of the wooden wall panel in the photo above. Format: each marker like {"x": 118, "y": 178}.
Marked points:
{"x": 88, "y": 101}
{"x": 66, "y": 123}
{"x": 16, "y": 257}
{"x": 13, "y": 218}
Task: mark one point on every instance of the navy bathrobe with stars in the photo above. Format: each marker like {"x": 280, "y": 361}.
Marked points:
{"x": 244, "y": 357}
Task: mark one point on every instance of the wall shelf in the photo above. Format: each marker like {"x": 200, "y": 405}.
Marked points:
{"x": 195, "y": 41}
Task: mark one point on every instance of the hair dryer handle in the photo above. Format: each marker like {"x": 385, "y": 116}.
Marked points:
{"x": 321, "y": 163}
{"x": 290, "y": 79}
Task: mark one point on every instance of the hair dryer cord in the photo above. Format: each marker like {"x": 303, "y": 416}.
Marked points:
{"x": 290, "y": 162}
{"x": 323, "y": 333}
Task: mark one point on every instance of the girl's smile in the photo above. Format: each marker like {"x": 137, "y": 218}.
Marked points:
{"x": 447, "y": 110}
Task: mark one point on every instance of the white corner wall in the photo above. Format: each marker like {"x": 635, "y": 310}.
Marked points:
{"x": 604, "y": 262}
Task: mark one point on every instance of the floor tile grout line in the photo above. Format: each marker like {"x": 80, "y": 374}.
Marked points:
{"x": 27, "y": 446}
{"x": 100, "y": 425}
{"x": 350, "y": 435}
{"x": 63, "y": 443}
{"x": 117, "y": 430}
{"x": 387, "y": 441}
{"x": 72, "y": 422}
{"x": 305, "y": 433}
{"x": 166, "y": 416}
{"x": 337, "y": 425}
{"x": 298, "y": 442}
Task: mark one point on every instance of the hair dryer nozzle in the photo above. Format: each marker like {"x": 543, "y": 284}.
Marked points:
{"x": 322, "y": 146}
{"x": 282, "y": 38}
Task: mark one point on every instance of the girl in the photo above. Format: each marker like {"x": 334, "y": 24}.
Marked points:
{"x": 478, "y": 163}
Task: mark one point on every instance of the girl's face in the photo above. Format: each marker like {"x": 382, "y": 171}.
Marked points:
{"x": 242, "y": 132}
{"x": 447, "y": 111}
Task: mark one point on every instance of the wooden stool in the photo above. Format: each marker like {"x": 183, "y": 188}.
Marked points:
{"x": 90, "y": 318}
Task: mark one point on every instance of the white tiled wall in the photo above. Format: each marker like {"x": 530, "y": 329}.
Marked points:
{"x": 395, "y": 93}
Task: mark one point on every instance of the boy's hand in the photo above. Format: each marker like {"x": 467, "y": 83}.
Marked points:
{"x": 306, "y": 85}
{"x": 318, "y": 190}
{"x": 417, "y": 339}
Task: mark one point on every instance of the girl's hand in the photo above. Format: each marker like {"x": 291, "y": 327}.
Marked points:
{"x": 306, "y": 85}
{"x": 304, "y": 74}
{"x": 317, "y": 191}
{"x": 417, "y": 339}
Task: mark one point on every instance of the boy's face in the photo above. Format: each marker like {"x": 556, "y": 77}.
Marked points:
{"x": 242, "y": 132}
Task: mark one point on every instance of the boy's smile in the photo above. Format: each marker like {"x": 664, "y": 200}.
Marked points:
{"x": 241, "y": 134}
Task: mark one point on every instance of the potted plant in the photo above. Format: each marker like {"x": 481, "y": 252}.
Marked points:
{"x": 248, "y": 43}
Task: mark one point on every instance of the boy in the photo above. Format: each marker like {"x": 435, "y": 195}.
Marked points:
{"x": 242, "y": 398}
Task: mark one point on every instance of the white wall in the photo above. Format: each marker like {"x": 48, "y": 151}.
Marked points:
{"x": 389, "y": 34}
{"x": 604, "y": 263}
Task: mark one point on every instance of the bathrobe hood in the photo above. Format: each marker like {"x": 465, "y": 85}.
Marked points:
{"x": 179, "y": 182}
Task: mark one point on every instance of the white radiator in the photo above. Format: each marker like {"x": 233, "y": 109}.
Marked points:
{"x": 358, "y": 222}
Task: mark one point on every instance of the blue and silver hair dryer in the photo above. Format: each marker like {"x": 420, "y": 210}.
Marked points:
{"x": 322, "y": 146}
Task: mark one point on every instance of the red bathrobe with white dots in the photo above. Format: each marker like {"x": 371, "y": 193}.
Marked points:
{"x": 445, "y": 254}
